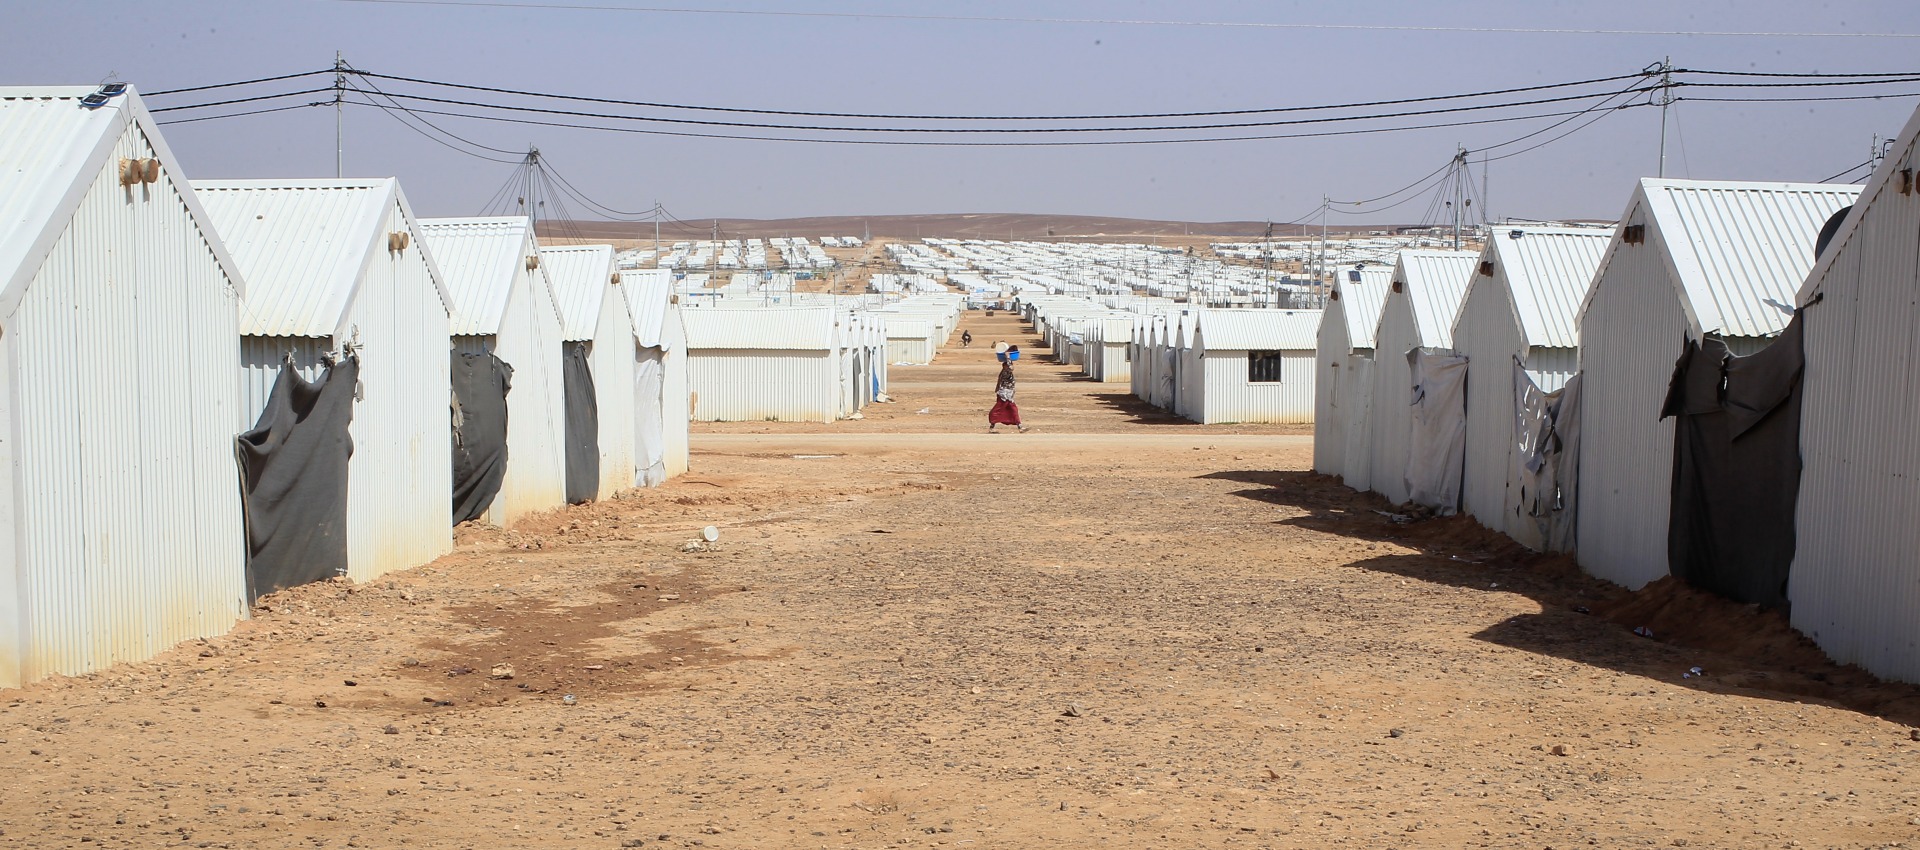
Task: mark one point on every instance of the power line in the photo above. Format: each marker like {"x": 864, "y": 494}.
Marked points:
{"x": 231, "y": 85}
{"x": 240, "y": 100}
{"x": 911, "y": 117}
{"x": 1005, "y": 130}
{"x": 1847, "y": 172}
{"x": 436, "y": 128}
{"x": 396, "y": 113}
{"x": 1829, "y": 98}
{"x": 505, "y": 4}
{"x": 242, "y": 114}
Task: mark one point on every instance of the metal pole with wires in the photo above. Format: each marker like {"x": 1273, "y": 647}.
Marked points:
{"x": 339, "y": 127}
{"x": 1666, "y": 100}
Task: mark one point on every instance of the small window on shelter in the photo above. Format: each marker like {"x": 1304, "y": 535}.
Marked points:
{"x": 1265, "y": 367}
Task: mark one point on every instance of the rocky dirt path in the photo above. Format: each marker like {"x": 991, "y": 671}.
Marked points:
{"x": 1152, "y": 634}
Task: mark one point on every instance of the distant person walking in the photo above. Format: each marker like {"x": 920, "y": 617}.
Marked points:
{"x": 1004, "y": 411}
{"x": 966, "y": 339}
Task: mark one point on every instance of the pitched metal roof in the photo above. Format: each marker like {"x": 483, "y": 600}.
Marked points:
{"x": 1877, "y": 185}
{"x": 1434, "y": 283}
{"x": 52, "y": 150}
{"x": 649, "y": 294}
{"x": 479, "y": 259}
{"x": 767, "y": 328}
{"x": 1259, "y": 330}
{"x": 1547, "y": 271}
{"x": 302, "y": 244}
{"x": 581, "y": 277}
{"x": 1740, "y": 250}
{"x": 1361, "y": 301}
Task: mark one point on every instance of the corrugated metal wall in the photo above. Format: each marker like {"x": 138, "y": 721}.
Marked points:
{"x": 1115, "y": 364}
{"x": 756, "y": 385}
{"x": 1488, "y": 334}
{"x": 1227, "y": 396}
{"x": 915, "y": 350}
{"x": 122, "y": 406}
{"x": 1355, "y": 400}
{"x": 1855, "y": 583}
{"x": 529, "y": 341}
{"x": 1330, "y": 422}
{"x": 674, "y": 391}
{"x": 1392, "y": 413}
{"x": 1630, "y": 337}
{"x": 612, "y": 363}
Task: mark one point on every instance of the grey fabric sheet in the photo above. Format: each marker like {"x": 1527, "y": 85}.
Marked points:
{"x": 480, "y": 386}
{"x": 293, "y": 474}
{"x": 583, "y": 424}
{"x": 1736, "y": 467}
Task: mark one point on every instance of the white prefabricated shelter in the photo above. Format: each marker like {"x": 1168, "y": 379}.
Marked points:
{"x": 335, "y": 266}
{"x": 120, "y": 363}
{"x": 1419, "y": 311}
{"x": 1855, "y": 579}
{"x": 659, "y": 377}
{"x": 1343, "y": 390}
{"x": 1109, "y": 351}
{"x": 1691, "y": 257}
{"x": 910, "y": 339}
{"x": 593, "y": 310}
{"x": 1252, "y": 365}
{"x": 775, "y": 364}
{"x": 502, "y": 305}
{"x": 1520, "y": 304}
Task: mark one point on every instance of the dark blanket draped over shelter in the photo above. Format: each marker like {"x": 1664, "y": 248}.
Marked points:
{"x": 583, "y": 425}
{"x": 480, "y": 386}
{"x": 293, "y": 473}
{"x": 1736, "y": 467}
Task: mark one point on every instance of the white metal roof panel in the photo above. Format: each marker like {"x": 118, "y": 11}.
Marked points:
{"x": 1259, "y": 330}
{"x": 580, "y": 276}
{"x": 51, "y": 151}
{"x": 1361, "y": 301}
{"x": 302, "y": 243}
{"x": 478, "y": 259}
{"x": 649, "y": 293}
{"x": 1742, "y": 249}
{"x": 1435, "y": 283}
{"x": 770, "y": 328}
{"x": 1548, "y": 270}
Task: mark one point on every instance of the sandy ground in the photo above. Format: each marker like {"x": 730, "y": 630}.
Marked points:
{"x": 1117, "y": 630}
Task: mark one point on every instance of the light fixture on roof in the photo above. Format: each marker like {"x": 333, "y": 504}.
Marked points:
{"x": 1515, "y": 234}
{"x": 100, "y": 97}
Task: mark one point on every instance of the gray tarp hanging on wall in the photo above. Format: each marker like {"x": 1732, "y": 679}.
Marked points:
{"x": 293, "y": 478}
{"x": 480, "y": 386}
{"x": 1545, "y": 474}
{"x": 650, "y": 438}
{"x": 1437, "y": 453}
{"x": 583, "y": 425}
{"x": 1736, "y": 467}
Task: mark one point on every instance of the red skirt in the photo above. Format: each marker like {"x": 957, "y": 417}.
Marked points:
{"x": 1004, "y": 413}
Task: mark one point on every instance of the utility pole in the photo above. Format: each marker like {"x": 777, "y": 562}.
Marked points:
{"x": 1459, "y": 187}
{"x": 1666, "y": 100}
{"x": 1266, "y": 260}
{"x": 1321, "y": 268}
{"x": 656, "y": 232}
{"x": 339, "y": 130}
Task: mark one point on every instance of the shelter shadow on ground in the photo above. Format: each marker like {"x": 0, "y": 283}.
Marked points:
{"x": 1742, "y": 649}
{"x": 1137, "y": 411}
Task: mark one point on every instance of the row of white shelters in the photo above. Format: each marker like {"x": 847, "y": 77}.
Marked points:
{"x": 337, "y": 268}
{"x": 594, "y": 313}
{"x": 1690, "y": 258}
{"x": 1343, "y": 390}
{"x": 1418, "y": 312}
{"x": 1109, "y": 352}
{"x": 1520, "y": 307}
{"x": 503, "y": 308}
{"x": 660, "y": 409}
{"x": 118, "y": 310}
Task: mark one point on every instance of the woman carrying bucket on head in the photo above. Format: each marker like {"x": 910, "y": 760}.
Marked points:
{"x": 1004, "y": 411}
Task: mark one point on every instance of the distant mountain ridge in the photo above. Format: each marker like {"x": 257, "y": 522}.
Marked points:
{"x": 950, "y": 225}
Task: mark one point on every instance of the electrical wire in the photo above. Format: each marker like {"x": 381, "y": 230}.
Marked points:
{"x": 240, "y": 100}
{"x": 1006, "y": 130}
{"x": 1847, "y": 172}
{"x": 912, "y": 117}
{"x": 396, "y": 113}
{"x": 436, "y": 128}
{"x": 1829, "y": 98}
{"x": 1787, "y": 74}
{"x": 243, "y": 114}
{"x": 239, "y": 83}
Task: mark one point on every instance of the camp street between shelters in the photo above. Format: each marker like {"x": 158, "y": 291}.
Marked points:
{"x": 1122, "y": 628}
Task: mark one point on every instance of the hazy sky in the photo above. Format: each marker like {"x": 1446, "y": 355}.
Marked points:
{"x": 983, "y": 67}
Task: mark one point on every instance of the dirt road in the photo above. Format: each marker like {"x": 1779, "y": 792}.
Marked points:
{"x": 1118, "y": 630}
